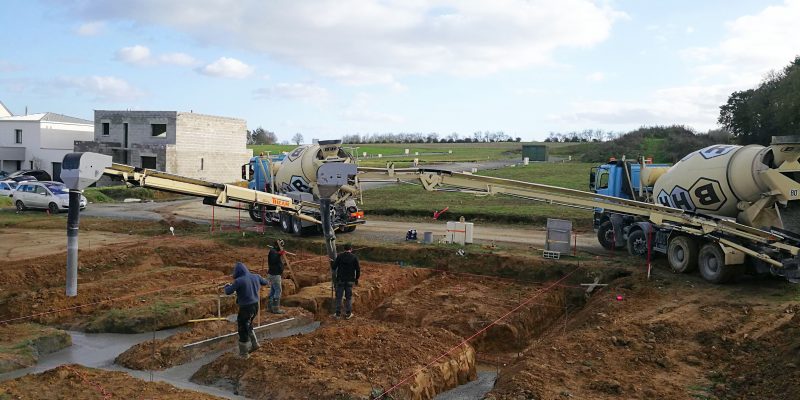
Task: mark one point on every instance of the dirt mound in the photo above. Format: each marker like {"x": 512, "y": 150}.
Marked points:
{"x": 21, "y": 345}
{"x": 169, "y": 352}
{"x": 347, "y": 359}
{"x": 78, "y": 382}
{"x": 378, "y": 282}
{"x": 669, "y": 338}
{"x": 465, "y": 304}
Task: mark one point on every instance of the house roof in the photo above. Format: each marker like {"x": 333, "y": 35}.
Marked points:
{"x": 4, "y": 111}
{"x": 48, "y": 117}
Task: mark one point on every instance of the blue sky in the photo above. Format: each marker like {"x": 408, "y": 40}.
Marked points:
{"x": 328, "y": 68}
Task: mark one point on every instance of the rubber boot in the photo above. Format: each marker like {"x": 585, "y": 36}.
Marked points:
{"x": 270, "y": 307}
{"x": 243, "y": 351}
{"x": 253, "y": 342}
{"x": 276, "y": 307}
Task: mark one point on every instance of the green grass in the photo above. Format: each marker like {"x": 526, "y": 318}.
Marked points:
{"x": 408, "y": 200}
{"x": 429, "y": 152}
{"x": 6, "y": 201}
{"x": 110, "y": 194}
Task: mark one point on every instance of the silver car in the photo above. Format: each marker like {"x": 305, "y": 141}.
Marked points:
{"x": 7, "y": 188}
{"x": 48, "y": 195}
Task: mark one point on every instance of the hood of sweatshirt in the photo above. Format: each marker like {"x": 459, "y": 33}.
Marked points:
{"x": 239, "y": 270}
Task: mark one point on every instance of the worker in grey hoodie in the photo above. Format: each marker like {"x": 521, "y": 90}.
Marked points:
{"x": 246, "y": 285}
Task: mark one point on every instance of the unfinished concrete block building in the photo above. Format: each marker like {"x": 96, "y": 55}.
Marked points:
{"x": 199, "y": 146}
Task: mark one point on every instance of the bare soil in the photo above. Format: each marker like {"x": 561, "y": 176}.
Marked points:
{"x": 78, "y": 382}
{"x": 43, "y": 242}
{"x": 346, "y": 359}
{"x": 21, "y": 345}
{"x": 466, "y": 304}
{"x": 675, "y": 337}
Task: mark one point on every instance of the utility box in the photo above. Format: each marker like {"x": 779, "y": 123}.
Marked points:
{"x": 559, "y": 235}
{"x": 534, "y": 152}
{"x": 459, "y": 232}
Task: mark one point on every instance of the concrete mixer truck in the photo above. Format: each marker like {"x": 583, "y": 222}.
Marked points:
{"x": 745, "y": 184}
{"x": 294, "y": 175}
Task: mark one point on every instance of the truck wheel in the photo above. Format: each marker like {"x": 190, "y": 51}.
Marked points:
{"x": 348, "y": 229}
{"x": 637, "y": 243}
{"x": 286, "y": 222}
{"x": 297, "y": 225}
{"x": 682, "y": 254}
{"x": 605, "y": 235}
{"x": 711, "y": 261}
{"x": 255, "y": 212}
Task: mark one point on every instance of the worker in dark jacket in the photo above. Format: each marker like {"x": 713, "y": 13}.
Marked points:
{"x": 346, "y": 272}
{"x": 247, "y": 286}
{"x": 275, "y": 261}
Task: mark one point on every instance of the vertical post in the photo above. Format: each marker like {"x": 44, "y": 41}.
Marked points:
{"x": 239, "y": 208}
{"x": 73, "y": 219}
{"x": 574, "y": 244}
{"x": 212, "y": 218}
{"x": 649, "y": 245}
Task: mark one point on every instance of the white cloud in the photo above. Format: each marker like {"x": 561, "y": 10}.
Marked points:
{"x": 226, "y": 67}
{"x": 91, "y": 28}
{"x": 307, "y": 92}
{"x": 7, "y": 66}
{"x": 179, "y": 59}
{"x": 596, "y": 77}
{"x": 105, "y": 88}
{"x": 380, "y": 41}
{"x": 142, "y": 56}
{"x": 689, "y": 30}
{"x": 752, "y": 46}
{"x": 360, "y": 111}
{"x": 136, "y": 55}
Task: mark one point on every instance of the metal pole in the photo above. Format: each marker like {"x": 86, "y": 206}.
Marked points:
{"x": 73, "y": 219}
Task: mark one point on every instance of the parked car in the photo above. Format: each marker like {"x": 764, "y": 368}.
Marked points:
{"x": 7, "y": 188}
{"x": 39, "y": 174}
{"x": 23, "y": 178}
{"x": 3, "y": 175}
{"x": 48, "y": 195}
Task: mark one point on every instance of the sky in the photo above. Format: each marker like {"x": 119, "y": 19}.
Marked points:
{"x": 331, "y": 68}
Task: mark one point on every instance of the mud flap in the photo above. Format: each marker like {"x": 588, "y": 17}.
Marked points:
{"x": 617, "y": 223}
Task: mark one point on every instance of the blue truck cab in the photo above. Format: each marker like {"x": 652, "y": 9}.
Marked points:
{"x": 257, "y": 172}
{"x": 617, "y": 178}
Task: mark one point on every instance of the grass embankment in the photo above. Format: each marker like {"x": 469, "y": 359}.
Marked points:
{"x": 405, "y": 200}
{"x": 111, "y": 194}
{"x": 21, "y": 345}
{"x": 429, "y": 153}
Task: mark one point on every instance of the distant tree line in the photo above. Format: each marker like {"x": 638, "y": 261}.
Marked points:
{"x": 261, "y": 136}
{"x": 433, "y": 137}
{"x": 753, "y": 116}
{"x": 663, "y": 143}
{"x": 586, "y": 135}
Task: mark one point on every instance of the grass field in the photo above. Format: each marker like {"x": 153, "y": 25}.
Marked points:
{"x": 408, "y": 200}
{"x": 428, "y": 152}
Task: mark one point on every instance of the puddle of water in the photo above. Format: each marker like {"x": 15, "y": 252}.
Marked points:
{"x": 474, "y": 390}
{"x": 98, "y": 350}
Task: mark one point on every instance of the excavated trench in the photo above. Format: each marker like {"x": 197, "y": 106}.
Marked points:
{"x": 405, "y": 317}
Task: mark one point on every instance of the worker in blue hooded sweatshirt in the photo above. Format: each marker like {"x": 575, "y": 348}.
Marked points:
{"x": 246, "y": 285}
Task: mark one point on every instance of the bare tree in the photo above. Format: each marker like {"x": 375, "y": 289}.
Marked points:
{"x": 297, "y": 138}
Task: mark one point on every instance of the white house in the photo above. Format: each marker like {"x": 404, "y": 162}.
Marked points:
{"x": 39, "y": 141}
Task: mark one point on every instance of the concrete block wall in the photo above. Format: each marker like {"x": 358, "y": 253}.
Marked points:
{"x": 211, "y": 148}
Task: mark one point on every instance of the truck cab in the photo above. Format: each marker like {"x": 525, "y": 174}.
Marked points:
{"x": 620, "y": 179}
{"x": 260, "y": 171}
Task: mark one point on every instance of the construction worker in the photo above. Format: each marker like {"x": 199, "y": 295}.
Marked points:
{"x": 346, "y": 272}
{"x": 247, "y": 286}
{"x": 275, "y": 261}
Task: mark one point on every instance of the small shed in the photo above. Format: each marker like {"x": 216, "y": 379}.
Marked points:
{"x": 534, "y": 152}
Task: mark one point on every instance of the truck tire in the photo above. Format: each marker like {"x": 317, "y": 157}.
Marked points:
{"x": 348, "y": 229}
{"x": 682, "y": 254}
{"x": 711, "y": 261}
{"x": 286, "y": 222}
{"x": 637, "y": 243}
{"x": 605, "y": 235}
{"x": 255, "y": 212}
{"x": 297, "y": 226}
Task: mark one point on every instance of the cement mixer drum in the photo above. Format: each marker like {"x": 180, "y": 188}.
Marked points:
{"x": 298, "y": 171}
{"x": 714, "y": 180}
